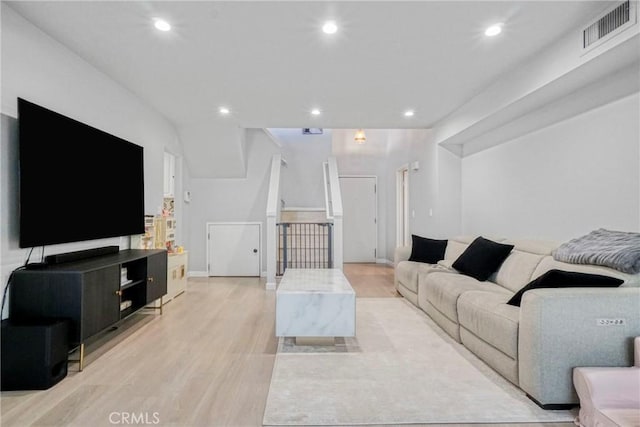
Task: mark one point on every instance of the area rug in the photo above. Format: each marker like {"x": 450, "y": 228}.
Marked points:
{"x": 400, "y": 369}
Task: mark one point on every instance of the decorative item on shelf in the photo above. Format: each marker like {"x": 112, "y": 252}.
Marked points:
{"x": 360, "y": 137}
{"x": 168, "y": 206}
{"x": 124, "y": 277}
{"x": 146, "y": 240}
{"x": 165, "y": 233}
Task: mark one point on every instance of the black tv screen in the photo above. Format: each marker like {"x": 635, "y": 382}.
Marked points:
{"x": 76, "y": 182}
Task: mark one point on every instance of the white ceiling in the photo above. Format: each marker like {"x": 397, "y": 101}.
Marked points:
{"x": 271, "y": 64}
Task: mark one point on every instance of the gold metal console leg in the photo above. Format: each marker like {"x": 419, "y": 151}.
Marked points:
{"x": 81, "y": 357}
{"x": 155, "y": 306}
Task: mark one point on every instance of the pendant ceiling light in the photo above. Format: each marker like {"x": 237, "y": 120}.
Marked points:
{"x": 360, "y": 138}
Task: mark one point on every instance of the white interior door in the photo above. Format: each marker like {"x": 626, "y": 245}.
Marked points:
{"x": 233, "y": 249}
{"x": 359, "y": 218}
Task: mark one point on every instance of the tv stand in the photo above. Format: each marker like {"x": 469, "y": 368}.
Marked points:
{"x": 92, "y": 293}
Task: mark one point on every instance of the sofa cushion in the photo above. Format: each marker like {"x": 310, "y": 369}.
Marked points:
{"x": 548, "y": 263}
{"x": 482, "y": 258}
{"x": 402, "y": 253}
{"x": 539, "y": 247}
{"x": 486, "y": 315}
{"x": 446, "y": 263}
{"x": 454, "y": 250}
{"x": 407, "y": 273}
{"x": 566, "y": 279}
{"x": 442, "y": 290}
{"x": 516, "y": 271}
{"x": 427, "y": 250}
{"x": 505, "y": 365}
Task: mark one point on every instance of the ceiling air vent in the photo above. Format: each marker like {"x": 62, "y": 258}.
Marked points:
{"x": 612, "y": 22}
{"x": 312, "y": 131}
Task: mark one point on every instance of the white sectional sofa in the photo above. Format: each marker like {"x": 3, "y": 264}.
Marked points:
{"x": 536, "y": 345}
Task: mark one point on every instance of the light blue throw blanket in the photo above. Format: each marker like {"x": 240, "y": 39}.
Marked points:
{"x": 619, "y": 250}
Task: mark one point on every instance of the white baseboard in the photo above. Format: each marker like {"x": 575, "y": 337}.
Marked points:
{"x": 384, "y": 261}
{"x": 197, "y": 274}
{"x": 263, "y": 274}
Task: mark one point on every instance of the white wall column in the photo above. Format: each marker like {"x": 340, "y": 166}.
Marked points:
{"x": 273, "y": 212}
{"x": 336, "y": 203}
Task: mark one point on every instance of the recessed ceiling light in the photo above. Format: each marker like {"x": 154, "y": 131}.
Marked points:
{"x": 315, "y": 112}
{"x": 330, "y": 27}
{"x": 161, "y": 24}
{"x": 493, "y": 30}
{"x": 409, "y": 113}
{"x": 224, "y": 110}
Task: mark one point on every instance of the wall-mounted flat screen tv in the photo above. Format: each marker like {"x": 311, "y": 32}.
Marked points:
{"x": 76, "y": 182}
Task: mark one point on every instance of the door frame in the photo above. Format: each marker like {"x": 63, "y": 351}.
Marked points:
{"x": 207, "y": 240}
{"x": 375, "y": 213}
{"x": 402, "y": 206}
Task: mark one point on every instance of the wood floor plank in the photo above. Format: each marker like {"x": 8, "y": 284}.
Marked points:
{"x": 371, "y": 280}
{"x": 207, "y": 361}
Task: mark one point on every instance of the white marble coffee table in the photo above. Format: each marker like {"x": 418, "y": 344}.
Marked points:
{"x": 315, "y": 303}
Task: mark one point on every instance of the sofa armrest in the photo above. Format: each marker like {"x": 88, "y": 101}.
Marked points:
{"x": 561, "y": 329}
{"x": 402, "y": 253}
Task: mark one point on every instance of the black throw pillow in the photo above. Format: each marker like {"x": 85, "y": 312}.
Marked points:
{"x": 482, "y": 258}
{"x": 566, "y": 279}
{"x": 427, "y": 250}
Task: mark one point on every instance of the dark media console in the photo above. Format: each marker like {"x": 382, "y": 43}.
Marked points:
{"x": 93, "y": 293}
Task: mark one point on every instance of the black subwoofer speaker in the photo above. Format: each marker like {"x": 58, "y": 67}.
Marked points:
{"x": 34, "y": 353}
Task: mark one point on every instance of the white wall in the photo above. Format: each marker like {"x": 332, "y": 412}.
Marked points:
{"x": 434, "y": 189}
{"x": 301, "y": 181}
{"x": 231, "y": 199}
{"x": 215, "y": 149}
{"x": 556, "y": 71}
{"x": 561, "y": 181}
{"x": 448, "y": 206}
{"x": 398, "y": 155}
{"x": 37, "y": 68}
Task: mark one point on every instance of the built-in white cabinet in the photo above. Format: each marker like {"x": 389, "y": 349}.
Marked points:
{"x": 177, "y": 266}
{"x": 177, "y": 274}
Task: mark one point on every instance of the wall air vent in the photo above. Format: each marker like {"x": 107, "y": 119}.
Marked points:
{"x": 610, "y": 23}
{"x": 312, "y": 131}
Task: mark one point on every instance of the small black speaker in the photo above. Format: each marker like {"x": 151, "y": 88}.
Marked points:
{"x": 35, "y": 353}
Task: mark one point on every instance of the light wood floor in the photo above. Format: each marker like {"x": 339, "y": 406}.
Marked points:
{"x": 207, "y": 361}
